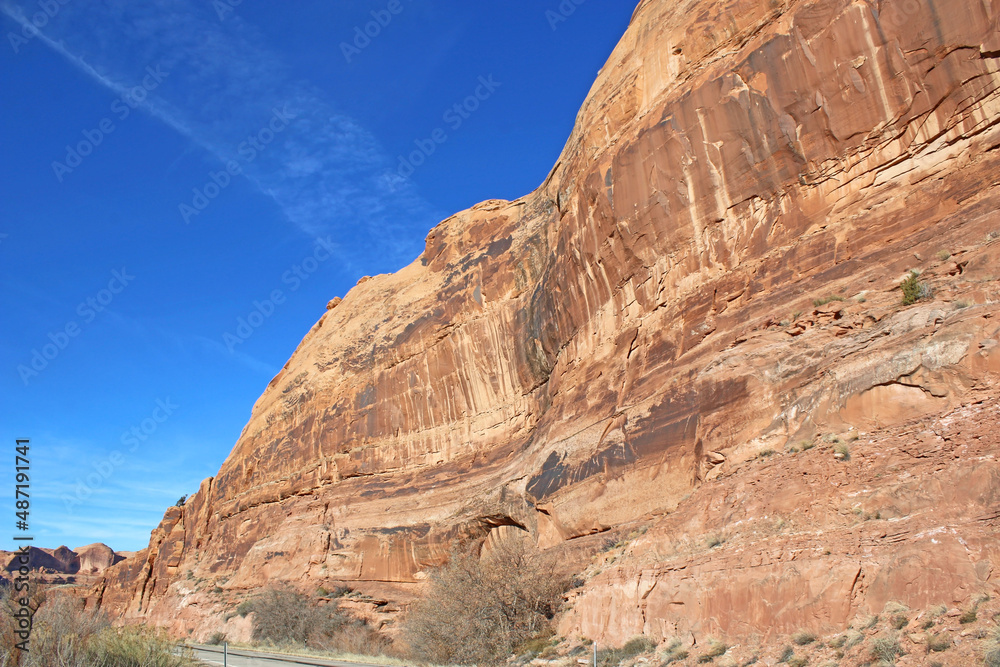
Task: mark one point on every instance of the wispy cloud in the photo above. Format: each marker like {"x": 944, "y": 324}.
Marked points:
{"x": 326, "y": 173}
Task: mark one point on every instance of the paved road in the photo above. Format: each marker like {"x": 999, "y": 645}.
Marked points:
{"x": 212, "y": 655}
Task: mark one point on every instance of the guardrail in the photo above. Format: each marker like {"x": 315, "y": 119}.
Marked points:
{"x": 225, "y": 653}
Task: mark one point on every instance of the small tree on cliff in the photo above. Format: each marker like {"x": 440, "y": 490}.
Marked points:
{"x": 481, "y": 609}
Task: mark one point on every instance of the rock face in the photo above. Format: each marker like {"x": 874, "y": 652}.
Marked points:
{"x": 710, "y": 271}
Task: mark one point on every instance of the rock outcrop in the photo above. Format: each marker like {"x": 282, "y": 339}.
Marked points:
{"x": 711, "y": 271}
{"x": 63, "y": 565}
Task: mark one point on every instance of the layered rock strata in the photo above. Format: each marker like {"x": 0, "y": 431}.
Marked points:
{"x": 710, "y": 271}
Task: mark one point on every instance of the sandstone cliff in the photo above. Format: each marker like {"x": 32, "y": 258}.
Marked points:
{"x": 643, "y": 326}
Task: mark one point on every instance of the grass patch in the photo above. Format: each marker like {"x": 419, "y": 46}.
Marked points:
{"x": 715, "y": 649}
{"x": 803, "y": 638}
{"x": 842, "y": 452}
{"x": 827, "y": 299}
{"x": 614, "y": 656}
{"x": 938, "y": 643}
{"x": 714, "y": 541}
{"x": 674, "y": 652}
{"x": 886, "y": 649}
{"x": 853, "y": 639}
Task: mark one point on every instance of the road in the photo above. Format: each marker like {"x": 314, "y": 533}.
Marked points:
{"x": 212, "y": 655}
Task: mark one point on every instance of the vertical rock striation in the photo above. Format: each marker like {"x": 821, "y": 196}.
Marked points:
{"x": 653, "y": 315}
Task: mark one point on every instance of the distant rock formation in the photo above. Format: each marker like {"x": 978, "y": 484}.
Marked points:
{"x": 710, "y": 274}
{"x": 50, "y": 564}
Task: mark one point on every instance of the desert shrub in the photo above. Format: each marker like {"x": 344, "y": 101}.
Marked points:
{"x": 674, "y": 652}
{"x": 991, "y": 658}
{"x": 633, "y": 647}
{"x": 216, "y": 639}
{"x": 536, "y": 645}
{"x": 359, "y": 638}
{"x": 968, "y": 616}
{"x": 869, "y": 622}
{"x": 853, "y": 638}
{"x": 900, "y": 621}
{"x": 803, "y": 638}
{"x": 913, "y": 289}
{"x": 828, "y": 299}
{"x": 715, "y": 649}
{"x": 938, "y": 643}
{"x": 842, "y": 452}
{"x": 284, "y": 616}
{"x": 64, "y": 634}
{"x": 798, "y": 661}
{"x": 886, "y": 649}
{"x": 131, "y": 647}
{"x": 837, "y": 642}
{"x": 787, "y": 654}
{"x": 481, "y": 609}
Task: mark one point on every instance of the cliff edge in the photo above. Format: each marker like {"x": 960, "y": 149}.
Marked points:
{"x": 709, "y": 274}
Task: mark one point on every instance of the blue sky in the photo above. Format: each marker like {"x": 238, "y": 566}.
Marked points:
{"x": 167, "y": 167}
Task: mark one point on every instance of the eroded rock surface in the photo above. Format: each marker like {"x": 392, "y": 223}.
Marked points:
{"x": 711, "y": 270}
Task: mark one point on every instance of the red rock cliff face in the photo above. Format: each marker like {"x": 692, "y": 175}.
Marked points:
{"x": 587, "y": 356}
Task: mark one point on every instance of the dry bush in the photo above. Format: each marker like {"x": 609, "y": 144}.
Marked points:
{"x": 482, "y": 609}
{"x": 66, "y": 635}
{"x": 360, "y": 638}
{"x": 612, "y": 657}
{"x": 886, "y": 649}
{"x": 284, "y": 616}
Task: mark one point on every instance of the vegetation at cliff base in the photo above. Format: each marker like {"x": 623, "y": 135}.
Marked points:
{"x": 287, "y": 618}
{"x": 482, "y": 609}
{"x": 66, "y": 635}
